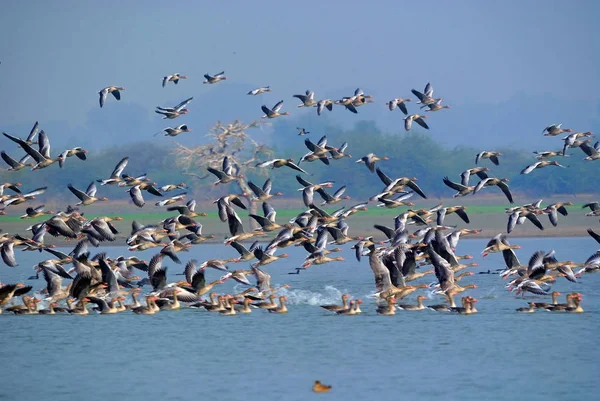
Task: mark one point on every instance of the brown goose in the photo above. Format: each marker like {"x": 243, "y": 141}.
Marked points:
{"x": 115, "y": 176}
{"x": 467, "y": 308}
{"x": 555, "y": 208}
{"x": 398, "y": 103}
{"x": 14, "y": 164}
{"x": 281, "y": 308}
{"x": 353, "y": 309}
{"x": 208, "y": 287}
{"x": 348, "y": 103}
{"x": 236, "y": 228}
{"x": 114, "y": 90}
{"x": 270, "y": 304}
{"x": 370, "y": 159}
{"x": 445, "y": 275}
{"x": 555, "y": 295}
{"x": 173, "y": 78}
{"x": 76, "y": 151}
{"x": 493, "y": 156}
{"x": 463, "y": 190}
{"x": 42, "y": 157}
{"x": 436, "y": 106}
{"x": 334, "y": 307}
{"x": 321, "y": 259}
{"x": 425, "y": 97}
{"x": 361, "y": 101}
{"x": 418, "y": 306}
{"x": 592, "y": 152}
{"x": 174, "y": 131}
{"x": 266, "y": 257}
{"x": 188, "y": 210}
{"x": 555, "y": 129}
{"x": 88, "y": 197}
{"x": 419, "y": 119}
{"x": 276, "y": 163}
{"x": 541, "y": 164}
{"x": 230, "y": 309}
{"x": 227, "y": 174}
{"x": 7, "y": 291}
{"x": 31, "y": 213}
{"x": 498, "y": 182}
{"x": 171, "y": 115}
{"x": 274, "y": 112}
{"x": 264, "y": 193}
{"x": 339, "y": 153}
{"x": 260, "y": 90}
{"x": 337, "y": 196}
{"x": 308, "y": 99}
{"x": 519, "y": 217}
{"x": 459, "y": 210}
{"x": 548, "y": 154}
{"x": 324, "y": 104}
{"x": 213, "y": 79}
{"x": 149, "y": 309}
{"x": 389, "y": 309}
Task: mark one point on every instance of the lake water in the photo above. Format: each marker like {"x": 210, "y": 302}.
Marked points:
{"x": 497, "y": 354}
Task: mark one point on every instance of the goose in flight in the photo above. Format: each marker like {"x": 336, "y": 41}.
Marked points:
{"x": 419, "y": 119}
{"x": 88, "y": 197}
{"x": 213, "y": 79}
{"x": 274, "y": 112}
{"x": 42, "y": 157}
{"x": 173, "y": 78}
{"x": 260, "y": 90}
{"x": 114, "y": 90}
{"x": 541, "y": 164}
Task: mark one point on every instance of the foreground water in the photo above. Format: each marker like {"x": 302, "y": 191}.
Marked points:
{"x": 497, "y": 354}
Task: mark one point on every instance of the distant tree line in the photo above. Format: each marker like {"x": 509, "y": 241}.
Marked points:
{"x": 410, "y": 154}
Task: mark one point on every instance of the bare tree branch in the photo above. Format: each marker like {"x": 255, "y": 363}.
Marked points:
{"x": 229, "y": 140}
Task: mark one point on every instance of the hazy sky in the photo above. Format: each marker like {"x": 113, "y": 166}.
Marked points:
{"x": 524, "y": 64}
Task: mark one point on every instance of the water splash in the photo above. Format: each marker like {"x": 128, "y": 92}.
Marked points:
{"x": 330, "y": 295}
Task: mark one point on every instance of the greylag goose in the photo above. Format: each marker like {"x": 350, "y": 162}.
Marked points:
{"x": 227, "y": 174}
{"x": 302, "y": 131}
{"x": 493, "y": 156}
{"x": 276, "y": 163}
{"x": 42, "y": 157}
{"x": 275, "y": 111}
{"x": 555, "y": 129}
{"x": 436, "y": 106}
{"x": 308, "y": 99}
{"x": 173, "y": 78}
{"x": 370, "y": 159}
{"x": 425, "y": 97}
{"x": 169, "y": 131}
{"x": 88, "y": 197}
{"x": 260, "y": 90}
{"x": 264, "y": 193}
{"x": 398, "y": 103}
{"x": 14, "y": 164}
{"x": 114, "y": 90}
{"x": 541, "y": 164}
{"x": 213, "y": 79}
{"x": 419, "y": 119}
{"x": 324, "y": 104}
{"x": 462, "y": 190}
{"x": 115, "y": 176}
{"x": 498, "y": 182}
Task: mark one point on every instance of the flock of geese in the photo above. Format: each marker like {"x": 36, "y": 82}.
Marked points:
{"x": 398, "y": 259}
